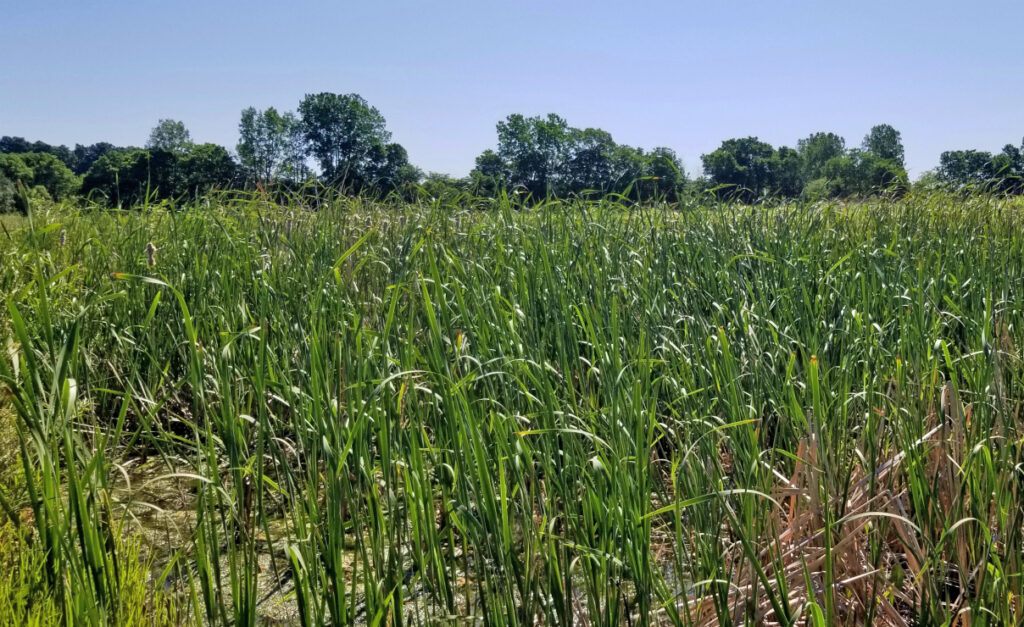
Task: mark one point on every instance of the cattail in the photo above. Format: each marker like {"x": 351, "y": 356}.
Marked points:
{"x": 150, "y": 255}
{"x": 63, "y": 238}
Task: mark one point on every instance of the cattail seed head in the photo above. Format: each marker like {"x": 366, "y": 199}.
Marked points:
{"x": 150, "y": 255}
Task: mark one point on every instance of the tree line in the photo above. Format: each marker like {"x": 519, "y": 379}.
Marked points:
{"x": 340, "y": 140}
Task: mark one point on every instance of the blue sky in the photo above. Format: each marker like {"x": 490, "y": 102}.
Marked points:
{"x": 680, "y": 74}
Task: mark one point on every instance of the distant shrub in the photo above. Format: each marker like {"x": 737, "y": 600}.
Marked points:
{"x": 8, "y": 195}
{"x": 36, "y": 169}
{"x": 818, "y": 189}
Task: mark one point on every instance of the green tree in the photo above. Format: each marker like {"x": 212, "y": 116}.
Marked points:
{"x": 85, "y": 156}
{"x": 126, "y": 177}
{"x": 884, "y": 142}
{"x": 294, "y": 159}
{"x": 490, "y": 175}
{"x": 745, "y": 165}
{"x": 10, "y": 199}
{"x": 929, "y": 181}
{"x": 20, "y": 145}
{"x": 787, "y": 167}
{"x": 667, "y": 177}
{"x": 13, "y": 166}
{"x": 860, "y": 173}
{"x": 205, "y": 167}
{"x": 388, "y": 169}
{"x": 41, "y": 169}
{"x": 340, "y": 131}
{"x": 15, "y": 145}
{"x": 535, "y": 151}
{"x": 270, "y": 145}
{"x": 170, "y": 135}
{"x": 590, "y": 161}
{"x": 545, "y": 156}
{"x": 816, "y": 150}
{"x": 963, "y": 168}
{"x": 1008, "y": 169}
{"x": 489, "y": 163}
{"x": 442, "y": 186}
{"x": 629, "y": 167}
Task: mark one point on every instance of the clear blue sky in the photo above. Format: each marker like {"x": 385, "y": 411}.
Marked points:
{"x": 680, "y": 74}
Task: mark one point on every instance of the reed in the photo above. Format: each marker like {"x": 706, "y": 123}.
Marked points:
{"x": 583, "y": 412}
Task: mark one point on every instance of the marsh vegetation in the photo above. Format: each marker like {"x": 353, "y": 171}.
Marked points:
{"x": 596, "y": 413}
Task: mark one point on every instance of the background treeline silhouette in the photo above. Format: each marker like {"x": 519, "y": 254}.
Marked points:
{"x": 341, "y": 141}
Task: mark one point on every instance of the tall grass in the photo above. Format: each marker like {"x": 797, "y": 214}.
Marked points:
{"x": 581, "y": 413}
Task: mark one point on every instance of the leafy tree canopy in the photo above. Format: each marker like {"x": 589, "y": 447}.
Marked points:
{"x": 965, "y": 167}
{"x": 205, "y": 167}
{"x": 340, "y": 131}
{"x": 817, "y": 149}
{"x": 40, "y": 169}
{"x": 10, "y": 200}
{"x": 170, "y": 135}
{"x": 744, "y": 164}
{"x": 271, "y": 145}
{"x": 126, "y": 177}
{"x": 544, "y": 155}
{"x": 884, "y": 142}
{"x": 860, "y": 173}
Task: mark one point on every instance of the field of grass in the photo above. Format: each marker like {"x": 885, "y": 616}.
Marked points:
{"x": 581, "y": 413}
{"x": 8, "y": 222}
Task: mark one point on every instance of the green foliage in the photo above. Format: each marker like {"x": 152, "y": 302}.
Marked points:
{"x": 270, "y": 145}
{"x": 666, "y": 169}
{"x": 14, "y": 167}
{"x": 975, "y": 169}
{"x": 50, "y": 172}
{"x": 588, "y": 159}
{"x": 534, "y": 152}
{"x": 536, "y": 158}
{"x": 490, "y": 174}
{"x": 170, "y": 136}
{"x": 884, "y": 142}
{"x": 388, "y": 169}
{"x": 85, "y": 156}
{"x": 20, "y": 145}
{"x": 442, "y": 187}
{"x": 342, "y": 133}
{"x": 1008, "y": 170}
{"x": 817, "y": 150}
{"x": 9, "y": 199}
{"x": 743, "y": 166}
{"x": 816, "y": 190}
{"x": 78, "y": 160}
{"x": 787, "y": 168}
{"x": 820, "y": 167}
{"x": 205, "y": 167}
{"x": 965, "y": 167}
{"x": 34, "y": 169}
{"x": 23, "y": 600}
{"x": 128, "y": 177}
{"x": 547, "y": 157}
{"x": 929, "y": 181}
{"x": 595, "y": 413}
{"x": 863, "y": 174}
